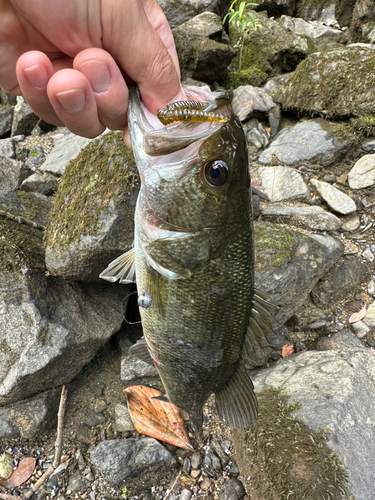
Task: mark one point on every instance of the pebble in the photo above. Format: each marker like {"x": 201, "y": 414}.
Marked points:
{"x": 369, "y": 319}
{"x": 123, "y": 419}
{"x": 368, "y": 255}
{"x": 185, "y": 494}
{"x": 186, "y": 467}
{"x": 351, "y": 223}
{"x": 234, "y": 489}
{"x": 205, "y": 484}
{"x": 282, "y": 183}
{"x": 360, "y": 329}
{"x": 371, "y": 288}
{"x": 363, "y": 173}
{"x": 194, "y": 473}
{"x": 211, "y": 460}
{"x": 336, "y": 199}
{"x": 195, "y": 460}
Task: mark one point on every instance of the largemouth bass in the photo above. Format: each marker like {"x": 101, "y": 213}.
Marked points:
{"x": 193, "y": 257}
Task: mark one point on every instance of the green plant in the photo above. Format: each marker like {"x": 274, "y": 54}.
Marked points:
{"x": 243, "y": 22}
{"x": 125, "y": 492}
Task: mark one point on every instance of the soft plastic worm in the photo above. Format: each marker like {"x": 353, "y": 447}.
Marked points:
{"x": 188, "y": 111}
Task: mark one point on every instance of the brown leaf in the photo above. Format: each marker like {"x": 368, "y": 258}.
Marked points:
{"x": 21, "y": 474}
{"x": 358, "y": 315}
{"x": 156, "y": 418}
{"x": 287, "y": 350}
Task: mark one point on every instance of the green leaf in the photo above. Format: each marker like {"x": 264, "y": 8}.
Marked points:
{"x": 241, "y": 9}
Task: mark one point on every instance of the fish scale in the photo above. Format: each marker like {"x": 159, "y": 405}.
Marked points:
{"x": 194, "y": 260}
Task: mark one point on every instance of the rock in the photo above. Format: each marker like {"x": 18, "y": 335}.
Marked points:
{"x": 234, "y": 489}
{"x": 310, "y": 88}
{"x": 122, "y": 418}
{"x": 50, "y": 328}
{"x": 249, "y": 101}
{"x": 274, "y": 84}
{"x": 306, "y": 141}
{"x": 274, "y": 117}
{"x": 316, "y": 31}
{"x": 32, "y": 206}
{"x": 362, "y": 26}
{"x": 369, "y": 319}
{"x": 66, "y": 148}
{"x": 256, "y": 133}
{"x": 369, "y": 145}
{"x": 103, "y": 201}
{"x": 368, "y": 255}
{"x": 371, "y": 288}
{"x": 119, "y": 459}
{"x": 308, "y": 10}
{"x": 276, "y": 8}
{"x": 361, "y": 329}
{"x": 92, "y": 418}
{"x": 77, "y": 483}
{"x": 338, "y": 341}
{"x": 195, "y": 460}
{"x": 336, "y": 199}
{"x": 328, "y": 17}
{"x": 7, "y": 148}
{"x": 267, "y": 52}
{"x": 185, "y": 494}
{"x": 11, "y": 174}
{"x": 282, "y": 183}
{"x": 344, "y": 11}
{"x": 202, "y": 54}
{"x": 6, "y": 118}
{"x": 351, "y": 223}
{"x": 27, "y": 417}
{"x": 24, "y": 118}
{"x": 288, "y": 264}
{"x": 180, "y": 11}
{"x": 133, "y": 369}
{"x": 341, "y": 281}
{"x": 313, "y": 217}
{"x": 346, "y": 415}
{"x": 363, "y": 173}
{"x": 39, "y": 182}
{"x": 211, "y": 461}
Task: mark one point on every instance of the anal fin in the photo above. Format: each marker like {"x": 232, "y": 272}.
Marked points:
{"x": 140, "y": 351}
{"x": 236, "y": 402}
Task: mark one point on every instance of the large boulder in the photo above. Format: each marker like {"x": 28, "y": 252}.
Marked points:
{"x": 313, "y": 88}
{"x": 91, "y": 221}
{"x": 180, "y": 11}
{"x": 362, "y": 26}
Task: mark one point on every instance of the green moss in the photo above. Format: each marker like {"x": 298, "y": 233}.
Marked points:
{"x": 284, "y": 458}
{"x": 338, "y": 83}
{"x": 364, "y": 124}
{"x": 104, "y": 171}
{"x": 274, "y": 245}
{"x": 250, "y": 76}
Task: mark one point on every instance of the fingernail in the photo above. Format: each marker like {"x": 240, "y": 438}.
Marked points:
{"x": 72, "y": 101}
{"x": 98, "y": 74}
{"x": 37, "y": 76}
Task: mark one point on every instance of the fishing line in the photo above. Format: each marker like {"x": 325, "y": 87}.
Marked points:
{"x": 124, "y": 310}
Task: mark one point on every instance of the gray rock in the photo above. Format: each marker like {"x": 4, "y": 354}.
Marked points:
{"x": 256, "y": 133}
{"x": 312, "y": 29}
{"x": 7, "y": 98}
{"x": 117, "y": 460}
{"x": 369, "y": 145}
{"x": 363, "y": 173}
{"x": 360, "y": 328}
{"x": 306, "y": 141}
{"x": 369, "y": 319}
{"x": 196, "y": 460}
{"x": 249, "y": 100}
{"x": 28, "y": 417}
{"x": 313, "y": 217}
{"x": 185, "y": 494}
{"x": 10, "y": 174}
{"x": 31, "y": 206}
{"x": 308, "y": 10}
{"x": 274, "y": 84}
{"x": 39, "y": 182}
{"x": 282, "y": 183}
{"x": 344, "y": 11}
{"x": 336, "y": 199}
{"x": 371, "y": 287}
{"x": 336, "y": 393}
{"x": 65, "y": 149}
{"x": 50, "y": 328}
{"x": 368, "y": 255}
{"x": 7, "y": 148}
{"x": 351, "y": 223}
{"x": 341, "y": 281}
{"x": 6, "y": 118}
{"x": 136, "y": 368}
{"x": 234, "y": 489}
{"x": 274, "y": 118}
{"x": 277, "y": 8}
{"x": 122, "y": 418}
{"x": 338, "y": 341}
{"x": 362, "y": 25}
{"x": 288, "y": 264}
{"x": 328, "y": 17}
{"x": 211, "y": 460}
{"x": 77, "y": 482}
{"x": 180, "y": 11}
{"x": 92, "y": 418}
{"x": 24, "y": 118}
{"x": 203, "y": 57}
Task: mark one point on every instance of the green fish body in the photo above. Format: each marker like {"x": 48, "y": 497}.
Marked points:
{"x": 194, "y": 259}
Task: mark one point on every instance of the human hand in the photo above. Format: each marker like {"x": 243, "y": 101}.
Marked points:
{"x": 76, "y": 57}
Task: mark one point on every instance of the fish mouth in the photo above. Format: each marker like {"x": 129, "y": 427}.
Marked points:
{"x": 158, "y": 139}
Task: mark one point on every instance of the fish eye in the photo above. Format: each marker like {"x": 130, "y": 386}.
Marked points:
{"x": 216, "y": 173}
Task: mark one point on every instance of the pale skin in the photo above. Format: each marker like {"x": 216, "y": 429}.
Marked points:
{"x": 72, "y": 61}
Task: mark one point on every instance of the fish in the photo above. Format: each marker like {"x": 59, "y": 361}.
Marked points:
{"x": 193, "y": 256}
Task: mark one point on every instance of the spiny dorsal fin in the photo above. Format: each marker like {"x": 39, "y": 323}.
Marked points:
{"x": 236, "y": 403}
{"x": 140, "y": 351}
{"x": 122, "y": 269}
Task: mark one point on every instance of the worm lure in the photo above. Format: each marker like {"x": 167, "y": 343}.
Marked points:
{"x": 188, "y": 111}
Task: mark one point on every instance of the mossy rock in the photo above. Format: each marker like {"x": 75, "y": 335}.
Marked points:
{"x": 283, "y": 459}
{"x": 269, "y": 51}
{"x": 91, "y": 221}
{"x": 337, "y": 83}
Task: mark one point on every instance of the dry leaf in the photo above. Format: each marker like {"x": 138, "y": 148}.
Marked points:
{"x": 21, "y": 474}
{"x": 287, "y": 350}
{"x": 156, "y": 418}
{"x": 358, "y": 315}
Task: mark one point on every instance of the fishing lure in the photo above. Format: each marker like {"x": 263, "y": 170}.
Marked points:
{"x": 188, "y": 111}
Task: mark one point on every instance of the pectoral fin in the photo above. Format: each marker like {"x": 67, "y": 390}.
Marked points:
{"x": 121, "y": 269}
{"x": 140, "y": 351}
{"x": 236, "y": 403}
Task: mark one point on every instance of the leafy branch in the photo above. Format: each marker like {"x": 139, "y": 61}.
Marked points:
{"x": 242, "y": 21}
